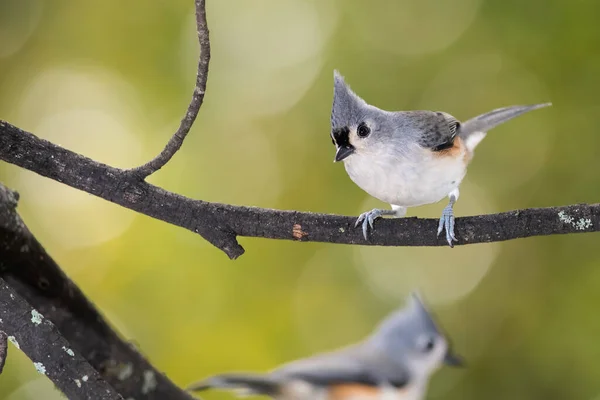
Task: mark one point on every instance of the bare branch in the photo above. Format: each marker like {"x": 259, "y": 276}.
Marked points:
{"x": 197, "y": 97}
{"x": 220, "y": 224}
{"x": 33, "y": 275}
{"x": 3, "y": 349}
{"x": 51, "y": 354}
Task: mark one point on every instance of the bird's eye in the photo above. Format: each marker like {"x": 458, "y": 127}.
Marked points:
{"x": 426, "y": 344}
{"x": 363, "y": 130}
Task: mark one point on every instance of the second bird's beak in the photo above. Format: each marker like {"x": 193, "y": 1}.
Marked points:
{"x": 453, "y": 359}
{"x": 343, "y": 152}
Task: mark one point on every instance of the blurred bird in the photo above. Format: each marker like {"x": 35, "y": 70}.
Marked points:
{"x": 393, "y": 363}
{"x": 407, "y": 158}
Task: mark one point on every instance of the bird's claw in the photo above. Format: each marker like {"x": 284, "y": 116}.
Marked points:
{"x": 447, "y": 223}
{"x": 367, "y": 218}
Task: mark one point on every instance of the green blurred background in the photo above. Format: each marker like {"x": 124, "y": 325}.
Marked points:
{"x": 111, "y": 79}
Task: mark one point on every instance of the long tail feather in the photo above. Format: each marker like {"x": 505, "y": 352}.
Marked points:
{"x": 487, "y": 121}
{"x": 252, "y": 384}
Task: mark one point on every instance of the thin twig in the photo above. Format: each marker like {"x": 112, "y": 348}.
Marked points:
{"x": 176, "y": 140}
{"x": 220, "y": 224}
{"x": 50, "y": 352}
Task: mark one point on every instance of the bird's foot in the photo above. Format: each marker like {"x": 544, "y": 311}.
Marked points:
{"x": 447, "y": 223}
{"x": 367, "y": 218}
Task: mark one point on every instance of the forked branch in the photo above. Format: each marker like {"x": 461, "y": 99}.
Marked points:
{"x": 34, "y": 289}
{"x": 220, "y": 224}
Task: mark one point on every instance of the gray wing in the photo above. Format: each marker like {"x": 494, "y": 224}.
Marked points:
{"x": 437, "y": 129}
{"x": 348, "y": 366}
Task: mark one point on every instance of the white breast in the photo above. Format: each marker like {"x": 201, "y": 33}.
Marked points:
{"x": 413, "y": 179}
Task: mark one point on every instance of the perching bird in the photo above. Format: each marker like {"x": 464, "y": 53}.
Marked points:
{"x": 393, "y": 363}
{"x": 407, "y": 158}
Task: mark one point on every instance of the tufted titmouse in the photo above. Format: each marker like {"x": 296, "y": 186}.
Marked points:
{"x": 393, "y": 363}
{"x": 407, "y": 158}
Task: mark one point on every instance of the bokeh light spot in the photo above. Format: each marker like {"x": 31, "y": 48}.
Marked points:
{"x": 416, "y": 26}
{"x": 18, "y": 21}
{"x": 441, "y": 274}
{"x": 328, "y": 313}
{"x": 82, "y": 110}
{"x": 267, "y": 54}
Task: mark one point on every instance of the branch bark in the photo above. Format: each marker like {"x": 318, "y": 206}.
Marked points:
{"x": 34, "y": 276}
{"x": 220, "y": 224}
{"x": 51, "y": 354}
{"x": 34, "y": 282}
{"x": 3, "y": 350}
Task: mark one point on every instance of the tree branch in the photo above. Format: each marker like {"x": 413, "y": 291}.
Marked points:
{"x": 34, "y": 276}
{"x": 3, "y": 350}
{"x": 51, "y": 354}
{"x": 220, "y": 224}
{"x": 197, "y": 97}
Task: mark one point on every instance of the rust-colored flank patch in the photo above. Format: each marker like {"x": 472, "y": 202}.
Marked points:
{"x": 353, "y": 391}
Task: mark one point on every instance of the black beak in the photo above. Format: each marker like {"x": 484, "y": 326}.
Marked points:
{"x": 343, "y": 152}
{"x": 453, "y": 360}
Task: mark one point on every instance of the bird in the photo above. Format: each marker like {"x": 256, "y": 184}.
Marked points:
{"x": 408, "y": 158}
{"x": 394, "y": 362}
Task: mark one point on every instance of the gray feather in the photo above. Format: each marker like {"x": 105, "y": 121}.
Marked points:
{"x": 346, "y": 103}
{"x": 489, "y": 120}
{"x": 360, "y": 364}
{"x": 438, "y": 129}
{"x": 250, "y": 383}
